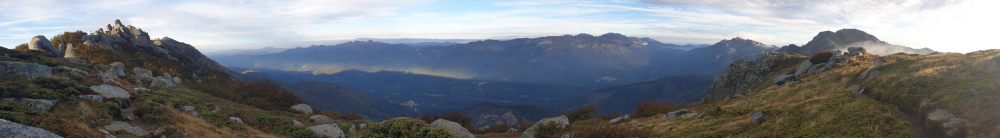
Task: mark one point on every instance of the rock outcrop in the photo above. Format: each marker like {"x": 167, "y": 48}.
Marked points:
{"x": 109, "y": 91}
{"x": 453, "y": 128}
{"x": 40, "y": 43}
{"x": 15, "y": 130}
{"x": 24, "y": 70}
{"x": 745, "y": 75}
{"x": 560, "y": 122}
{"x": 327, "y": 130}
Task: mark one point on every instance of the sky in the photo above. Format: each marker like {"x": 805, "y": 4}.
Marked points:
{"x": 943, "y": 25}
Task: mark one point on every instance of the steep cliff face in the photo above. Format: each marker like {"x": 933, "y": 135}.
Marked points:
{"x": 747, "y": 75}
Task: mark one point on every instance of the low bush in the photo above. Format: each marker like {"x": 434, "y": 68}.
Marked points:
{"x": 652, "y": 108}
{"x": 550, "y": 130}
{"x": 582, "y": 113}
{"x": 402, "y": 128}
{"x": 610, "y": 131}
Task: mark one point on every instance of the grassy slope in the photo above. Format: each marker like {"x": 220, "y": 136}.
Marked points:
{"x": 964, "y": 84}
{"x": 818, "y": 105}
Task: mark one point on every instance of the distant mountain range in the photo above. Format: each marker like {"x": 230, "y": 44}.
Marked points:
{"x": 612, "y": 71}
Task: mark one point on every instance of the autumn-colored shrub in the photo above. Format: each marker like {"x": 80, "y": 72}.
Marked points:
{"x": 821, "y": 57}
{"x": 61, "y": 40}
{"x": 582, "y": 113}
{"x": 652, "y": 108}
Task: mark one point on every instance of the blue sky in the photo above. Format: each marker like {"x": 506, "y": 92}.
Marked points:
{"x": 944, "y": 25}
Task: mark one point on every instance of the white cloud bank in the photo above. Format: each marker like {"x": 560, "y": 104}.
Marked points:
{"x": 944, "y": 25}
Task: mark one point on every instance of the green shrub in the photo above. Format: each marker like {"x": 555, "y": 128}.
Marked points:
{"x": 149, "y": 112}
{"x": 293, "y": 132}
{"x": 550, "y": 130}
{"x": 217, "y": 120}
{"x": 402, "y": 128}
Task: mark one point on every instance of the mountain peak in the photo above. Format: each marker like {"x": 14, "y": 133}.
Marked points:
{"x": 844, "y": 38}
{"x": 613, "y": 35}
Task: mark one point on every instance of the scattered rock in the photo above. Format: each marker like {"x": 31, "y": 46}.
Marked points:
{"x": 327, "y": 130}
{"x": 233, "y": 119}
{"x": 781, "y": 80}
{"x": 177, "y": 80}
{"x": 953, "y": 126}
{"x": 215, "y": 108}
{"x": 560, "y": 122}
{"x": 508, "y": 118}
{"x": 74, "y": 72}
{"x": 24, "y": 70}
{"x": 91, "y": 97}
{"x": 758, "y": 117}
{"x": 453, "y": 128}
{"x": 117, "y": 69}
{"x": 689, "y": 115}
{"x": 302, "y": 108}
{"x": 142, "y": 73}
{"x": 109, "y": 91}
{"x": 122, "y": 126}
{"x": 40, "y": 43}
{"x": 297, "y": 123}
{"x": 320, "y": 119}
{"x": 15, "y": 130}
{"x": 162, "y": 82}
{"x": 35, "y": 105}
{"x": 618, "y": 119}
{"x": 190, "y": 109}
{"x": 676, "y": 113}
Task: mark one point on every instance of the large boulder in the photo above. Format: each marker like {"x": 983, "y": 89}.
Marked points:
{"x": 35, "y": 105}
{"x": 14, "y": 130}
{"x": 24, "y": 70}
{"x": 40, "y": 43}
{"x": 560, "y": 122}
{"x": 453, "y": 128}
{"x": 109, "y": 91}
{"x": 327, "y": 130}
{"x": 122, "y": 126}
{"x": 302, "y": 108}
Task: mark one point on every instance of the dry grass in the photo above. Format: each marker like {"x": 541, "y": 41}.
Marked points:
{"x": 816, "y": 106}
{"x": 968, "y": 85}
